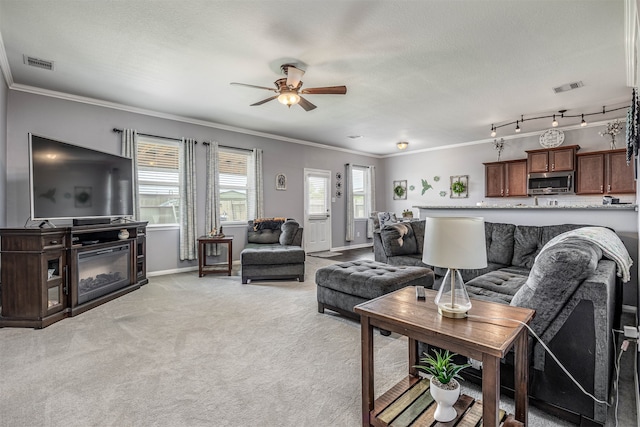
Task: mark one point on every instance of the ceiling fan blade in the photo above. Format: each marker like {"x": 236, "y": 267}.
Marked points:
{"x": 329, "y": 90}
{"x": 306, "y": 104}
{"x": 254, "y": 86}
{"x": 263, "y": 101}
{"x": 294, "y": 75}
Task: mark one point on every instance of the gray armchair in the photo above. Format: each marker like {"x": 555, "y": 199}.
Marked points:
{"x": 273, "y": 250}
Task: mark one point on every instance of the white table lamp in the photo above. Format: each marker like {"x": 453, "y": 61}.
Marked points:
{"x": 454, "y": 243}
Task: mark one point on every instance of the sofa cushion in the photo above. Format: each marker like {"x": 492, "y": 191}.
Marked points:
{"x": 264, "y": 254}
{"x": 529, "y": 240}
{"x": 499, "y": 239}
{"x": 497, "y": 286}
{"x": 418, "y": 231}
{"x": 398, "y": 239}
{"x": 288, "y": 232}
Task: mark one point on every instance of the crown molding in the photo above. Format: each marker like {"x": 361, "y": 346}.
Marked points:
{"x": 151, "y": 113}
{"x": 4, "y": 64}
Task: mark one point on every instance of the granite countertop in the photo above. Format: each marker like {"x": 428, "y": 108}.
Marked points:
{"x": 633, "y": 207}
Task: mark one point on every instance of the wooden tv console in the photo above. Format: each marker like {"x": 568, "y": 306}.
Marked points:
{"x": 40, "y": 269}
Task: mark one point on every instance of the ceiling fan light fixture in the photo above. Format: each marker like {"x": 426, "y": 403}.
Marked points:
{"x": 402, "y": 145}
{"x": 288, "y": 98}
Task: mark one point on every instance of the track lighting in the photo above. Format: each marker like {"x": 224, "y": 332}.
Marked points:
{"x": 554, "y": 123}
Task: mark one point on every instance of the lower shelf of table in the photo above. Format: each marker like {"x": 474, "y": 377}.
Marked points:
{"x": 409, "y": 403}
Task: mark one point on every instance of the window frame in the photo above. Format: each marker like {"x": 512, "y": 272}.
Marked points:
{"x": 139, "y": 182}
{"x": 365, "y": 194}
{"x": 246, "y": 187}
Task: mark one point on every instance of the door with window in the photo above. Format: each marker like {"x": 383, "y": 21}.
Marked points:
{"x": 317, "y": 210}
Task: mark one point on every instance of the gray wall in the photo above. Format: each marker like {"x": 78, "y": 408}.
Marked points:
{"x": 3, "y": 151}
{"x": 91, "y": 126}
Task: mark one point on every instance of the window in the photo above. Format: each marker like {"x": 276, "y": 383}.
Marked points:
{"x": 234, "y": 185}
{"x": 159, "y": 180}
{"x": 361, "y": 190}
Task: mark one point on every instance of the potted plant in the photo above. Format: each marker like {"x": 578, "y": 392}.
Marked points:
{"x": 445, "y": 388}
{"x": 407, "y": 213}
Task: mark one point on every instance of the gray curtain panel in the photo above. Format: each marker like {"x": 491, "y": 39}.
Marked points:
{"x": 349, "y": 199}
{"x": 371, "y": 192}
{"x": 188, "y": 226}
{"x": 129, "y": 148}
{"x": 212, "y": 210}
{"x": 256, "y": 186}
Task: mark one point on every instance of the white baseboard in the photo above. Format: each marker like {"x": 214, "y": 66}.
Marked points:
{"x": 172, "y": 271}
{"x": 346, "y": 248}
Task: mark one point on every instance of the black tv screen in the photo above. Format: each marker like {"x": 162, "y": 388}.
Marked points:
{"x": 68, "y": 181}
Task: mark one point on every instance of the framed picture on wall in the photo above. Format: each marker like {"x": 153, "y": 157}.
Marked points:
{"x": 281, "y": 181}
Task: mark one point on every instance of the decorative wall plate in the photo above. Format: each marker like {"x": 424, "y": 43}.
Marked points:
{"x": 551, "y": 138}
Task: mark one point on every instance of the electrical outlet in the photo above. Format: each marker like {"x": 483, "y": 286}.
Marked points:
{"x": 631, "y": 331}
{"x": 475, "y": 364}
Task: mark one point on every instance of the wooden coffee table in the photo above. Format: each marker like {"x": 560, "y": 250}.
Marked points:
{"x": 486, "y": 340}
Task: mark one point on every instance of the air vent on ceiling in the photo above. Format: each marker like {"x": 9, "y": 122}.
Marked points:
{"x": 38, "y": 63}
{"x": 568, "y": 86}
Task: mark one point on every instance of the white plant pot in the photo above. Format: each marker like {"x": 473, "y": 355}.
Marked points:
{"x": 445, "y": 400}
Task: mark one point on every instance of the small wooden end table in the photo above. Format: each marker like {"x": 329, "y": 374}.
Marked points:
{"x": 203, "y": 268}
{"x": 483, "y": 338}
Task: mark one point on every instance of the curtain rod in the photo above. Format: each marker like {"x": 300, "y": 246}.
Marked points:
{"x": 227, "y": 146}
{"x": 116, "y": 130}
{"x": 360, "y": 166}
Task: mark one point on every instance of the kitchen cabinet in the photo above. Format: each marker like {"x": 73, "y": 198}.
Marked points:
{"x": 557, "y": 159}
{"x": 506, "y": 179}
{"x": 605, "y": 172}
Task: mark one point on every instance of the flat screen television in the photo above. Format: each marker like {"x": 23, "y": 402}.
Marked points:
{"x": 69, "y": 182}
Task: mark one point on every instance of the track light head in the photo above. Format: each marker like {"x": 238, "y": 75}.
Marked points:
{"x": 517, "y": 127}
{"x": 583, "y": 123}
{"x": 554, "y": 123}
{"x": 493, "y": 131}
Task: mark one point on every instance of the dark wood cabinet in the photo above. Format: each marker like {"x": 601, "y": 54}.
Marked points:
{"x": 506, "y": 179}
{"x": 605, "y": 172}
{"x": 558, "y": 159}
{"x": 41, "y": 274}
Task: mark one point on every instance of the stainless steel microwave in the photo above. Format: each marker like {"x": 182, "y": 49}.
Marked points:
{"x": 550, "y": 183}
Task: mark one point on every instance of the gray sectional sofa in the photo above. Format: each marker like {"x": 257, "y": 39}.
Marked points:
{"x": 574, "y": 289}
{"x": 273, "y": 250}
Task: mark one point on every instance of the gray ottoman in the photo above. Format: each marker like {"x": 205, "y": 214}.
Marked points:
{"x": 343, "y": 286}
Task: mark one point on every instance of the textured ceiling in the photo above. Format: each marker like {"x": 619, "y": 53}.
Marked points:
{"x": 429, "y": 72}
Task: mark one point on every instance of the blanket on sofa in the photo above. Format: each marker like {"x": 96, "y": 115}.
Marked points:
{"x": 610, "y": 244}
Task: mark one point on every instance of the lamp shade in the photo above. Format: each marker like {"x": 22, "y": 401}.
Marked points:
{"x": 455, "y": 243}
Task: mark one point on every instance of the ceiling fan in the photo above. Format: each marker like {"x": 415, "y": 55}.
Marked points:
{"x": 289, "y": 89}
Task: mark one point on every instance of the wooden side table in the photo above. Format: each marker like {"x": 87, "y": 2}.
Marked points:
{"x": 203, "y": 268}
{"x": 487, "y": 340}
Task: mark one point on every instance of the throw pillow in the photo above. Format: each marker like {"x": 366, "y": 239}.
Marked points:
{"x": 386, "y": 218}
{"x": 289, "y": 230}
{"x": 398, "y": 239}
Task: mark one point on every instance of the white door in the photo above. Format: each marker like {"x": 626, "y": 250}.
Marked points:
{"x": 317, "y": 210}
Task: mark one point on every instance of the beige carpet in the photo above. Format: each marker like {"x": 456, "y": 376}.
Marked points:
{"x": 189, "y": 351}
